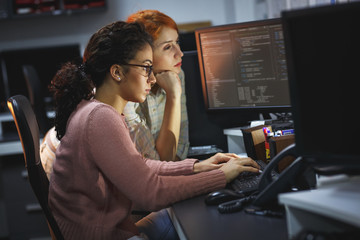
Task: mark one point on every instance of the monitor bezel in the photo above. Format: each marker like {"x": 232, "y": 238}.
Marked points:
{"x": 259, "y": 109}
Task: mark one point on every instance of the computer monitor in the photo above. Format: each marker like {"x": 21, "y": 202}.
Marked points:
{"x": 323, "y": 59}
{"x": 243, "y": 66}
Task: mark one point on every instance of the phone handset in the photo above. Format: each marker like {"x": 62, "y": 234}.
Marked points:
{"x": 266, "y": 177}
{"x": 269, "y": 188}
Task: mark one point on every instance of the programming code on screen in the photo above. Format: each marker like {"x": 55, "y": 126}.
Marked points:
{"x": 245, "y": 67}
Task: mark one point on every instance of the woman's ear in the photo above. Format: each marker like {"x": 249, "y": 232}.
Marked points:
{"x": 116, "y": 72}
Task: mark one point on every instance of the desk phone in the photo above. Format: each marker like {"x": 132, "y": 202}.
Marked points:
{"x": 261, "y": 190}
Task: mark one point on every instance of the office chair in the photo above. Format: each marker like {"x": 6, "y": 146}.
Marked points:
{"x": 36, "y": 97}
{"x": 28, "y": 130}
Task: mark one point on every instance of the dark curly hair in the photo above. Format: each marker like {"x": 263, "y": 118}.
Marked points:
{"x": 116, "y": 43}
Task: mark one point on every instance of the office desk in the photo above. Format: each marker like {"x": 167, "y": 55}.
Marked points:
{"x": 10, "y": 144}
{"x": 9, "y": 141}
{"x": 194, "y": 220}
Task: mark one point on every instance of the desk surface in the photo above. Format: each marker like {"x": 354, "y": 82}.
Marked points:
{"x": 193, "y": 219}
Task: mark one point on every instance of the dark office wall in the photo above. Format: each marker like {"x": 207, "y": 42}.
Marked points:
{"x": 47, "y": 61}
{"x": 2, "y": 93}
{"x": 206, "y": 127}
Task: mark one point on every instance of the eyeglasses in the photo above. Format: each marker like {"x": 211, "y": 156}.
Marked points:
{"x": 148, "y": 69}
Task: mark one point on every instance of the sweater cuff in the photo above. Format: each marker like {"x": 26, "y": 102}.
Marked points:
{"x": 184, "y": 167}
{"x": 209, "y": 181}
{"x": 189, "y": 166}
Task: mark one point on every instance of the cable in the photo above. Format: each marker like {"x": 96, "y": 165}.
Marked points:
{"x": 235, "y": 205}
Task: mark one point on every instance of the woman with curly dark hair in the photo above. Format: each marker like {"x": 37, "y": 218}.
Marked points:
{"x": 98, "y": 175}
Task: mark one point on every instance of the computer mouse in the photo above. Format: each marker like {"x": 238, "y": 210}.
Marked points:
{"x": 221, "y": 196}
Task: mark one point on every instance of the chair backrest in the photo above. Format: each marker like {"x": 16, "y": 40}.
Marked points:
{"x": 36, "y": 97}
{"x": 28, "y": 131}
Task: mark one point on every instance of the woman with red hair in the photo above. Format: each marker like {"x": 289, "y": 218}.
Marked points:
{"x": 159, "y": 126}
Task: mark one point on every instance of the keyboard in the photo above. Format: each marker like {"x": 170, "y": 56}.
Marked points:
{"x": 248, "y": 181}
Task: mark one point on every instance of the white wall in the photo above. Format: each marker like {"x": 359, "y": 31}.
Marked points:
{"x": 61, "y": 30}
{"x": 183, "y": 11}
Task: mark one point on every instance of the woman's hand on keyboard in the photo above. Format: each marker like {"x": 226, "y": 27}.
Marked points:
{"x": 235, "y": 166}
{"x": 214, "y": 162}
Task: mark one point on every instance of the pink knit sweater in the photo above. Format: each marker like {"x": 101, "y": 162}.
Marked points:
{"x": 99, "y": 175}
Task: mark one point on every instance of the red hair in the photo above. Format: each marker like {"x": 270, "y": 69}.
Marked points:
{"x": 153, "y": 21}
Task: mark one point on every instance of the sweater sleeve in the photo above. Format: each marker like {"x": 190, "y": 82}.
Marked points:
{"x": 112, "y": 151}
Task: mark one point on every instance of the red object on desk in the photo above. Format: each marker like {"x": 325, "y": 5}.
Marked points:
{"x": 267, "y": 135}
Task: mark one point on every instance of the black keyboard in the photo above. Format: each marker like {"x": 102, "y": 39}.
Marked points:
{"x": 249, "y": 181}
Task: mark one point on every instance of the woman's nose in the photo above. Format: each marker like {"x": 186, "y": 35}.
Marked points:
{"x": 178, "y": 51}
{"x": 151, "y": 79}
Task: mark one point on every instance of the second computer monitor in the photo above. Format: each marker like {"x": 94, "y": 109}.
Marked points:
{"x": 323, "y": 56}
{"x": 243, "y": 66}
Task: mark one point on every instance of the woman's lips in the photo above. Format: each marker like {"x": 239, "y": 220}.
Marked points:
{"x": 178, "y": 64}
